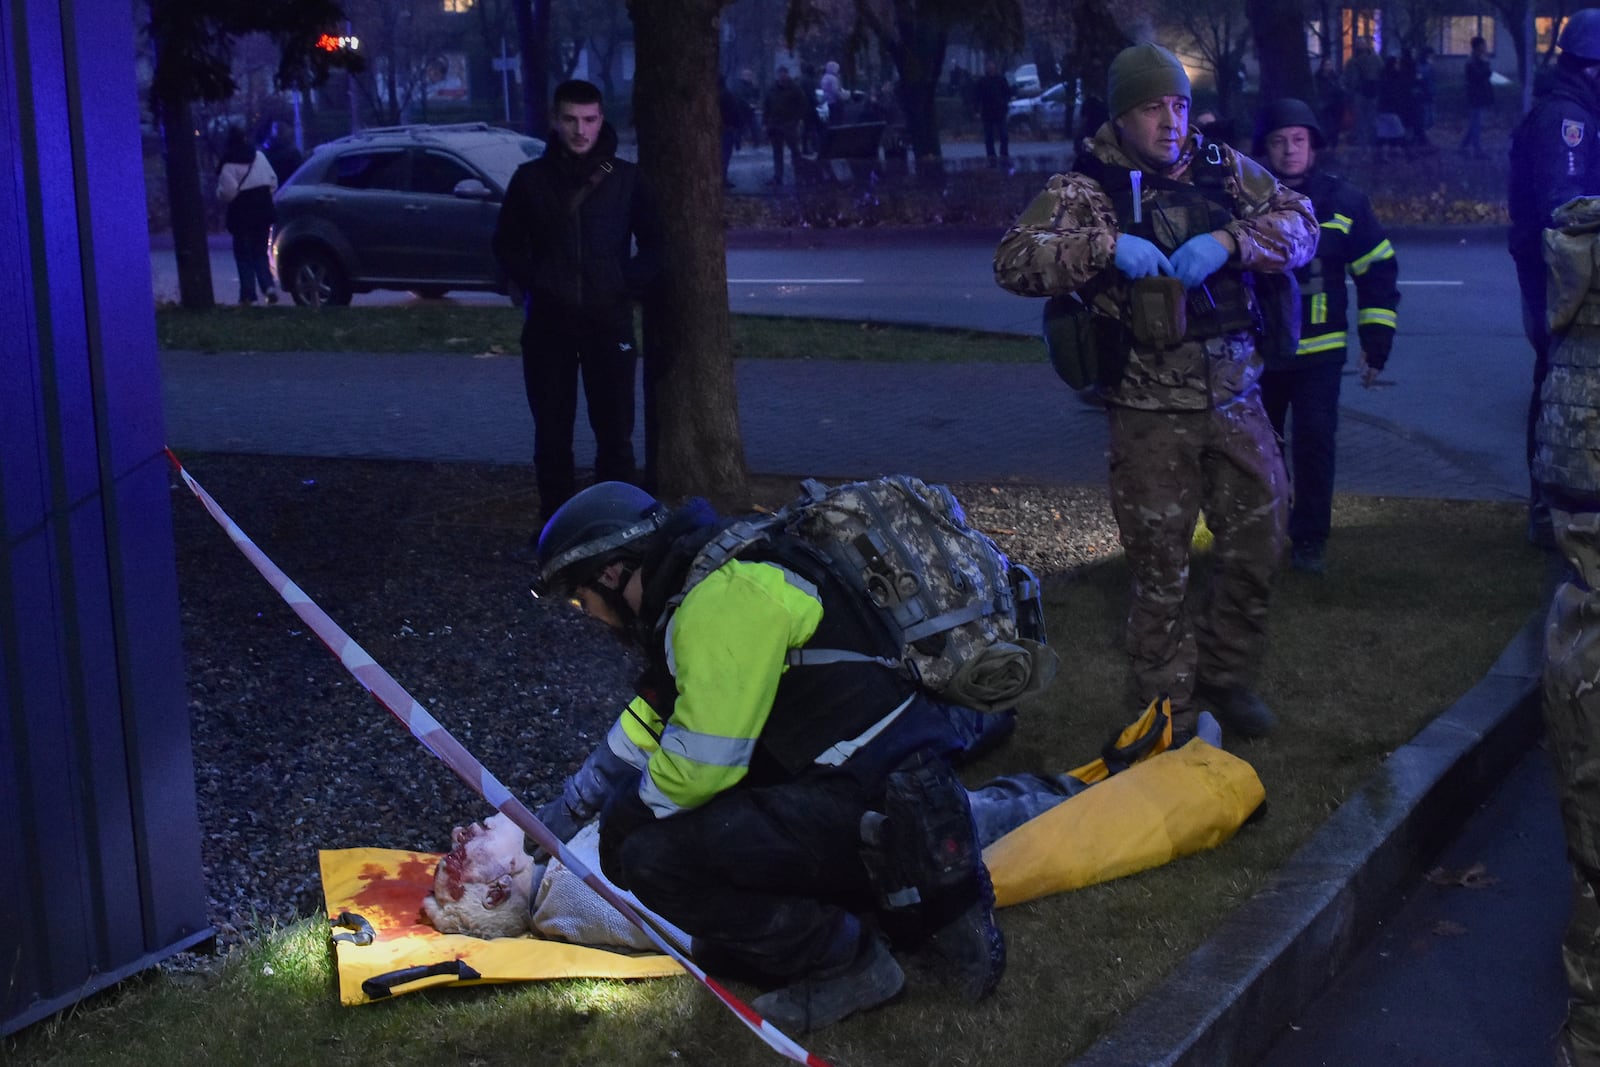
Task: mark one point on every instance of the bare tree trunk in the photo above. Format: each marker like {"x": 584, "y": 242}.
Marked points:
{"x": 691, "y": 401}
{"x": 184, "y": 203}
{"x": 1279, "y": 27}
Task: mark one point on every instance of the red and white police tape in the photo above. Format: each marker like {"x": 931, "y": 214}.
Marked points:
{"x": 439, "y": 741}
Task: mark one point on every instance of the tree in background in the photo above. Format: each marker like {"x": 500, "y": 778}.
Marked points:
{"x": 404, "y": 43}
{"x": 914, "y": 35}
{"x": 1097, "y": 37}
{"x": 533, "y": 46}
{"x": 193, "y": 43}
{"x": 693, "y": 443}
{"x": 1279, "y": 27}
{"x": 1219, "y": 34}
{"x": 601, "y": 28}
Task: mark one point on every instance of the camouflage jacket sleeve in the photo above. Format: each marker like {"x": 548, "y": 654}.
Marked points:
{"x": 1277, "y": 228}
{"x": 1066, "y": 237}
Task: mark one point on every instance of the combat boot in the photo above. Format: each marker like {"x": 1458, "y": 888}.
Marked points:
{"x": 824, "y": 997}
{"x": 1238, "y": 709}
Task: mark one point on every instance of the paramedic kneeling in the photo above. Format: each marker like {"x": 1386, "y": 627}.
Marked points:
{"x": 734, "y": 791}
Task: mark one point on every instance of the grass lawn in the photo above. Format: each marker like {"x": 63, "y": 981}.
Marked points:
{"x": 1359, "y": 661}
{"x": 472, "y": 329}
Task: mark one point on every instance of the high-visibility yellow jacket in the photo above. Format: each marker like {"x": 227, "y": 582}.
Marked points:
{"x": 732, "y": 709}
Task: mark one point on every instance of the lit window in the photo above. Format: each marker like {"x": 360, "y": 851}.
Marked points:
{"x": 1457, "y": 31}
{"x": 457, "y": 7}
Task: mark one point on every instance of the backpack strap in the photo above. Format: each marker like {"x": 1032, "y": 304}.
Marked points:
{"x": 592, "y": 182}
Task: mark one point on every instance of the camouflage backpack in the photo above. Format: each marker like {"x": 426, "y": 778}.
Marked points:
{"x": 969, "y": 623}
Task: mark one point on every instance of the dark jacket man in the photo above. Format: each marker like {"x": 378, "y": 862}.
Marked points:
{"x": 565, "y": 238}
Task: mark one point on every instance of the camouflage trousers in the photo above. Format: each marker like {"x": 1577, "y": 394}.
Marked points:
{"x": 1165, "y": 467}
{"x": 1572, "y": 718}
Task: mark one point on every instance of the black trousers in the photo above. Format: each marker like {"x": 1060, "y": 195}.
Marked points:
{"x": 768, "y": 880}
{"x": 555, "y": 353}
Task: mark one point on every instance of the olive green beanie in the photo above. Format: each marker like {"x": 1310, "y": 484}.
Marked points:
{"x": 1142, "y": 73}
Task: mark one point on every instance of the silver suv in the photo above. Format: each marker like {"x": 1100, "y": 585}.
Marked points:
{"x": 397, "y": 207}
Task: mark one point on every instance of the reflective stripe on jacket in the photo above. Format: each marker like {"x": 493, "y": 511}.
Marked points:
{"x": 1352, "y": 240}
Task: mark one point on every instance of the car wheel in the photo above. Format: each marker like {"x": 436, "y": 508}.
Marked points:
{"x": 315, "y": 279}
{"x": 429, "y": 292}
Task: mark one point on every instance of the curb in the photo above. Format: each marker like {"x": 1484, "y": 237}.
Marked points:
{"x": 1228, "y": 1001}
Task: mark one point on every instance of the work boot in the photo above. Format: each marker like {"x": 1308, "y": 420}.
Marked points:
{"x": 1238, "y": 709}
{"x": 823, "y": 998}
{"x": 926, "y": 867}
{"x": 973, "y": 945}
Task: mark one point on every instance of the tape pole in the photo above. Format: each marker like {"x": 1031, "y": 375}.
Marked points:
{"x": 439, "y": 741}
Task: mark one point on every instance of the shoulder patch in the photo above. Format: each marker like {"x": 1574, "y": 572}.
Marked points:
{"x": 1572, "y": 132}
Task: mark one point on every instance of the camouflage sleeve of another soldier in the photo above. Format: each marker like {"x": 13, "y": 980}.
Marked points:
{"x": 1066, "y": 237}
{"x": 1276, "y": 228}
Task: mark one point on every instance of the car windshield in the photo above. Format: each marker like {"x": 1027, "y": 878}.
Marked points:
{"x": 500, "y": 159}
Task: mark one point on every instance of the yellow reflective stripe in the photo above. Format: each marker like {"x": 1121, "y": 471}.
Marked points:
{"x": 1382, "y": 250}
{"x": 1377, "y": 317}
{"x": 1319, "y": 309}
{"x": 1324, "y": 342}
{"x": 1339, "y": 222}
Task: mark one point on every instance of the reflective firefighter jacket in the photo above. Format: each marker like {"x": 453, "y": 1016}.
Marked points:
{"x": 1352, "y": 240}
{"x": 1066, "y": 240}
{"x": 721, "y": 706}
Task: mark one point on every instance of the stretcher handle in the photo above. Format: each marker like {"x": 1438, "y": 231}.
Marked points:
{"x": 382, "y": 985}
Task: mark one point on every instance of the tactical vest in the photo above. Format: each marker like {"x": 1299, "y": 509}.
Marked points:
{"x": 1224, "y": 303}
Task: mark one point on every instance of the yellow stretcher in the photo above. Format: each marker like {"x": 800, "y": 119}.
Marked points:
{"x": 1149, "y": 806}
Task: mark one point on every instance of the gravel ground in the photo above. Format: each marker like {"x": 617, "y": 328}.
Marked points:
{"x": 417, "y": 562}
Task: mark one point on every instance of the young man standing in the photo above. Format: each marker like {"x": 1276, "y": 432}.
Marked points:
{"x": 1151, "y": 202}
{"x": 566, "y": 237}
{"x": 1306, "y": 382}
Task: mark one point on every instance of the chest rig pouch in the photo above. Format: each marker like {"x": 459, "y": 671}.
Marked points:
{"x": 1224, "y": 303}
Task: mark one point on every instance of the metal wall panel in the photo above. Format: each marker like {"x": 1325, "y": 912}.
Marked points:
{"x": 96, "y": 770}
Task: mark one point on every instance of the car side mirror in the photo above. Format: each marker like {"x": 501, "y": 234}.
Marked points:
{"x": 472, "y": 189}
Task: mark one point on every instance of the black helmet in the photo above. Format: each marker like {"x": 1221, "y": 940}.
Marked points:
{"x": 591, "y": 530}
{"x": 1580, "y": 37}
{"x": 1285, "y": 112}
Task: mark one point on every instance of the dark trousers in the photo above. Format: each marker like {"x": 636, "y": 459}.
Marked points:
{"x": 553, "y": 354}
{"x": 995, "y": 130}
{"x": 1535, "y": 301}
{"x": 250, "y": 258}
{"x": 765, "y": 879}
{"x": 790, "y": 138}
{"x": 1310, "y": 397}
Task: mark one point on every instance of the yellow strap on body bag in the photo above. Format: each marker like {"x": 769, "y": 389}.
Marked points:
{"x": 1168, "y": 803}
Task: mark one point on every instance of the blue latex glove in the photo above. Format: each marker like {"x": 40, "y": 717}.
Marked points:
{"x": 1197, "y": 259}
{"x": 1138, "y": 258}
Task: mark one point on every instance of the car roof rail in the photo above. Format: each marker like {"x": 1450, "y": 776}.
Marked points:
{"x": 422, "y": 129}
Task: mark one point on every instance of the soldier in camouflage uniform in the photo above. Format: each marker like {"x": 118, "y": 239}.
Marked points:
{"x": 1151, "y": 199}
{"x": 1566, "y": 469}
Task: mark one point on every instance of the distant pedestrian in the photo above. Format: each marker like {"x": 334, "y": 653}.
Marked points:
{"x": 566, "y": 237}
{"x": 810, "y": 87}
{"x": 1427, "y": 90}
{"x": 1555, "y": 153}
{"x": 246, "y": 182}
{"x": 832, "y": 90}
{"x": 784, "y": 112}
{"x": 1361, "y": 75}
{"x": 749, "y": 94}
{"x": 993, "y": 95}
{"x": 1389, "y": 128}
{"x": 1480, "y": 97}
{"x": 732, "y": 116}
